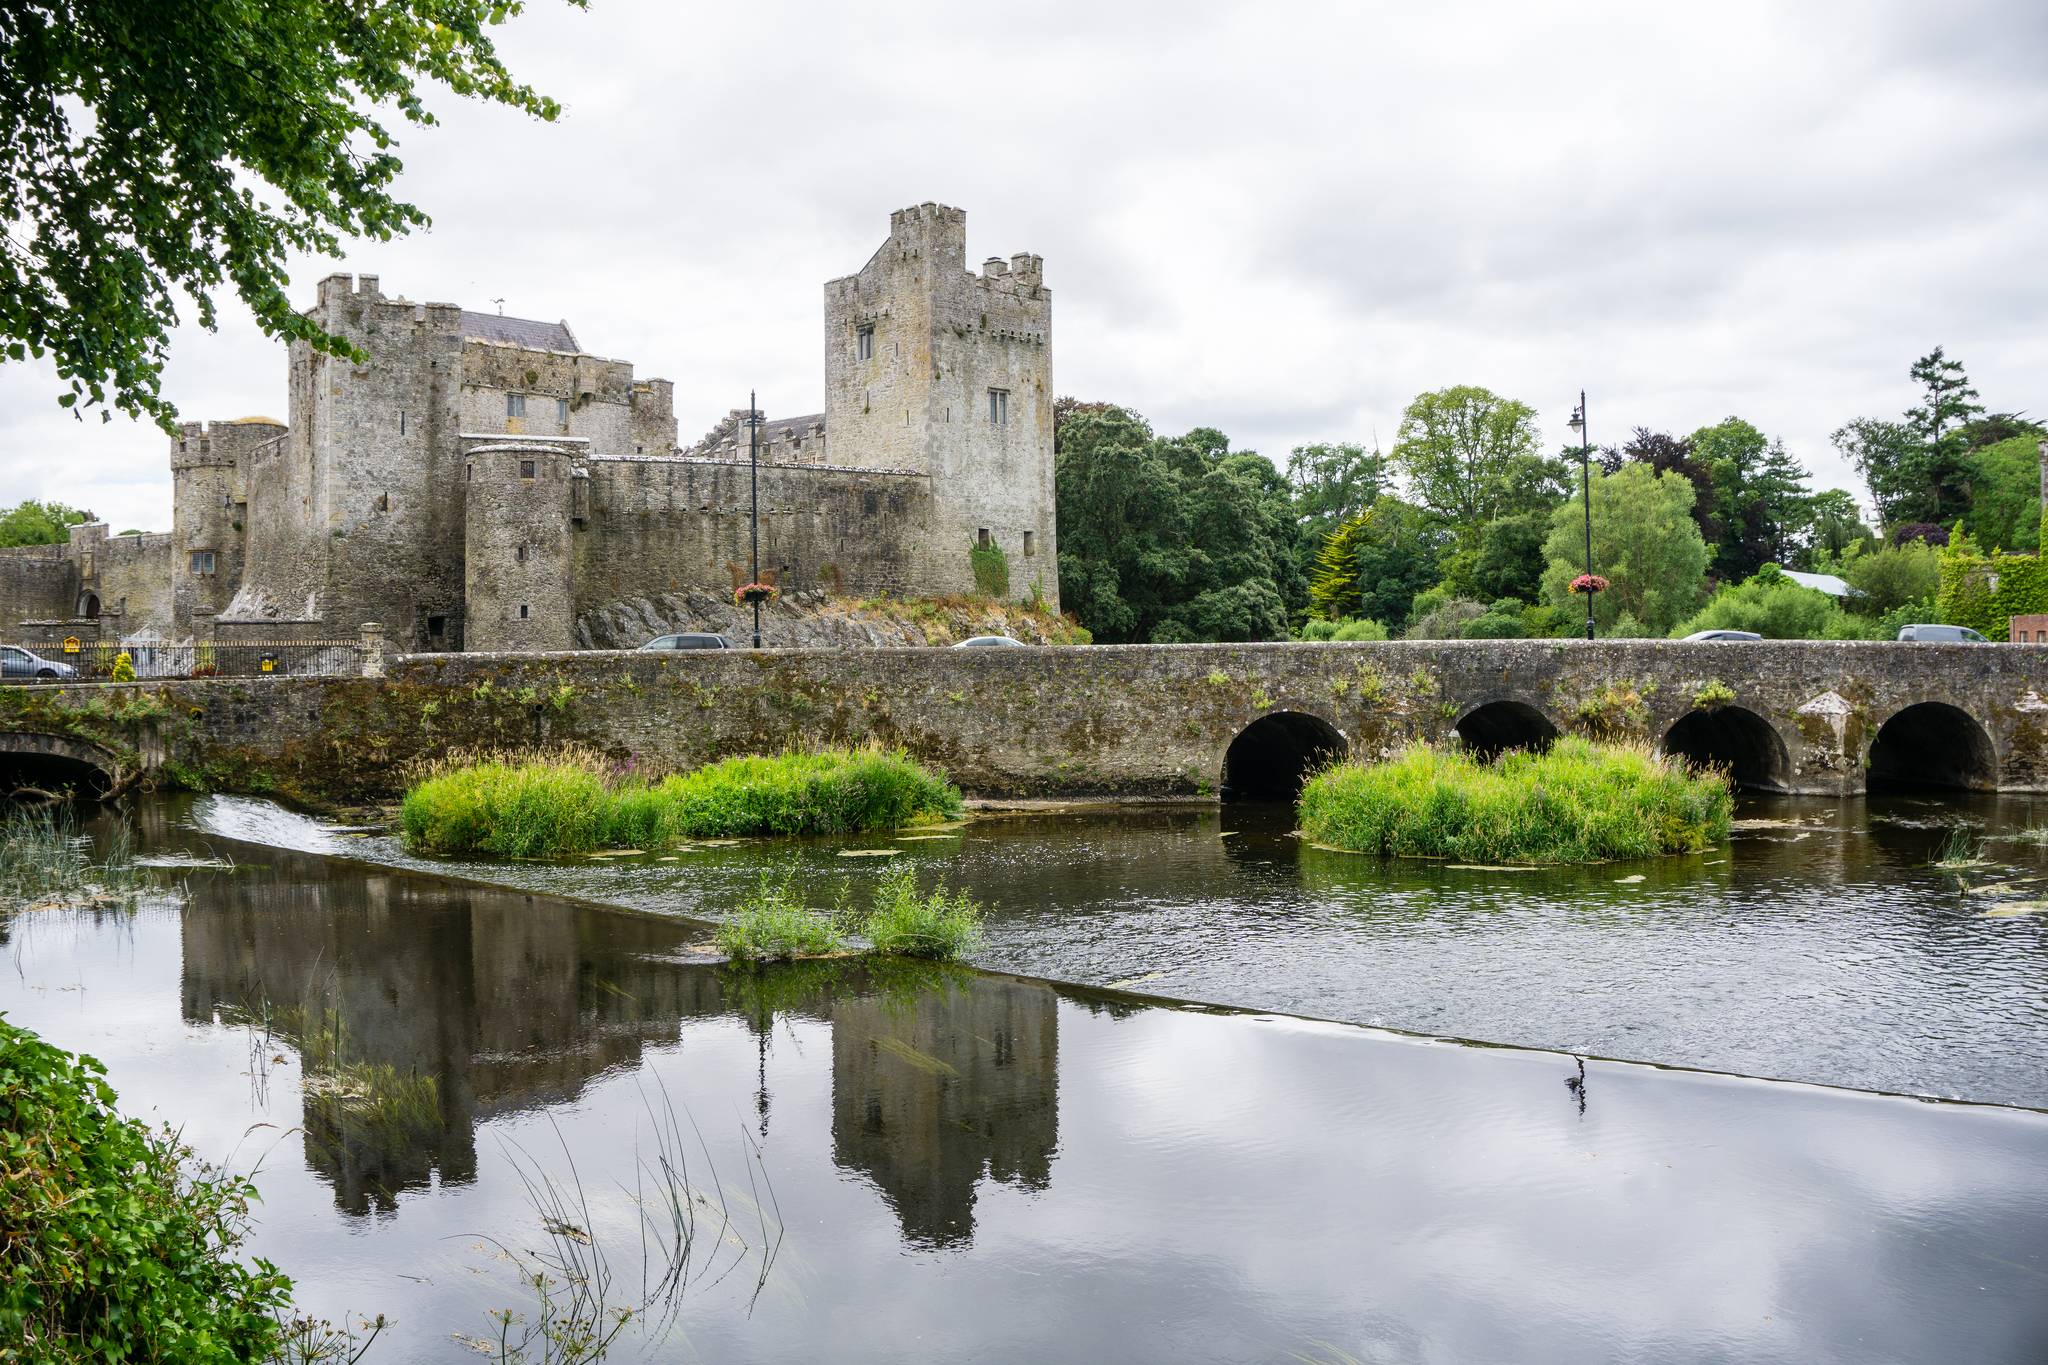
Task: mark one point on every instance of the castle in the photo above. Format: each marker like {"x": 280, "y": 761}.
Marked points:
{"x": 482, "y": 482}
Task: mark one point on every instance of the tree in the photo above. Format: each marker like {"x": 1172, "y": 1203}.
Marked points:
{"x": 1947, "y": 405}
{"x": 1333, "y": 483}
{"x": 1374, "y": 565}
{"x": 1915, "y": 467}
{"x": 148, "y": 150}
{"x": 1510, "y": 559}
{"x": 40, "y": 523}
{"x": 2004, "y": 479}
{"x": 1470, "y": 456}
{"x": 1894, "y": 467}
{"x": 1665, "y": 453}
{"x": 1835, "y": 523}
{"x": 1760, "y": 500}
{"x": 1168, "y": 539}
{"x": 1644, "y": 543}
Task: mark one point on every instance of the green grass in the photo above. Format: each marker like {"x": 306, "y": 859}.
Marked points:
{"x": 1578, "y": 802}
{"x": 774, "y": 925}
{"x": 569, "y": 804}
{"x": 46, "y": 859}
{"x": 938, "y": 926}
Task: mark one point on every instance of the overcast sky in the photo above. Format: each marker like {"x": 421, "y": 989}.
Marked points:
{"x": 1283, "y": 220}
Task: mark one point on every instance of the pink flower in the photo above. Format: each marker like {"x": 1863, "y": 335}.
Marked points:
{"x": 1589, "y": 583}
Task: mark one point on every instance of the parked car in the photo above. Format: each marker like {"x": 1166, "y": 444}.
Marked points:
{"x": 16, "y": 662}
{"x": 688, "y": 640}
{"x": 1942, "y": 634}
{"x": 1722, "y": 635}
{"x": 990, "y": 642}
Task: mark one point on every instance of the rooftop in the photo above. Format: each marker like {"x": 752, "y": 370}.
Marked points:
{"x": 534, "y": 336}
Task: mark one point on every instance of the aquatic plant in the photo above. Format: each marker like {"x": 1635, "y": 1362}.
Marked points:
{"x": 937, "y": 925}
{"x": 1576, "y": 802}
{"x": 46, "y": 860}
{"x": 773, "y": 925}
{"x": 1959, "y": 850}
{"x": 573, "y": 803}
{"x": 121, "y": 1245}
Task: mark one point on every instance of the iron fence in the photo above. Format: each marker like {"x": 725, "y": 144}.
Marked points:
{"x": 100, "y": 660}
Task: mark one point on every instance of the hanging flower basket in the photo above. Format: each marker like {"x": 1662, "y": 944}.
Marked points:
{"x": 1589, "y": 583}
{"x": 755, "y": 592}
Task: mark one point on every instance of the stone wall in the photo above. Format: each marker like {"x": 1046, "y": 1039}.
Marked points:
{"x": 660, "y": 526}
{"x": 37, "y": 582}
{"x": 1116, "y": 720}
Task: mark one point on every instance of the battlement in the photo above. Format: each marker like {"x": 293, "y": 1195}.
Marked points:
{"x": 926, "y": 213}
{"x": 223, "y": 442}
{"x": 342, "y": 285}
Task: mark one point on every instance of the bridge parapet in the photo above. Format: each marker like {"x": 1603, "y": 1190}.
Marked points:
{"x": 1814, "y": 717}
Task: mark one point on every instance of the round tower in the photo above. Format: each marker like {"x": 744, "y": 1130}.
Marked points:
{"x": 517, "y": 569}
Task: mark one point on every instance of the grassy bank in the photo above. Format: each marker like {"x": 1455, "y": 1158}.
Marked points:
{"x": 1579, "y": 802}
{"x": 572, "y": 803}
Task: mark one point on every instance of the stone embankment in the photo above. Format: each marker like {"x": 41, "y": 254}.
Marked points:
{"x": 817, "y": 620}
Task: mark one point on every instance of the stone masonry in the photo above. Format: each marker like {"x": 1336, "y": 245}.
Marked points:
{"x": 484, "y": 482}
{"x": 1175, "y": 720}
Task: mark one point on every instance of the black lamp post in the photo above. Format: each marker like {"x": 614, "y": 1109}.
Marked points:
{"x": 754, "y": 513}
{"x": 1586, "y": 494}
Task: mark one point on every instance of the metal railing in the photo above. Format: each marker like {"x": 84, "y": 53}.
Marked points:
{"x": 98, "y": 660}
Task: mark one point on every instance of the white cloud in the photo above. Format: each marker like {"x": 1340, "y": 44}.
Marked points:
{"x": 1281, "y": 220}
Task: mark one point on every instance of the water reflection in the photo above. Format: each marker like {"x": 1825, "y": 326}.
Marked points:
{"x": 495, "y": 1003}
{"x": 965, "y": 1164}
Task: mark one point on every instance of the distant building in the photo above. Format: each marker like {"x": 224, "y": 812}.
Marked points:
{"x": 482, "y": 481}
{"x": 1824, "y": 582}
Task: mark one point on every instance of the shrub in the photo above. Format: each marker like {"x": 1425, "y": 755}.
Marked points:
{"x": 991, "y": 570}
{"x": 939, "y": 926}
{"x": 1359, "y": 630}
{"x": 774, "y": 925}
{"x": 1770, "y": 604}
{"x": 120, "y": 1246}
{"x": 1444, "y": 621}
{"x": 1576, "y": 802}
{"x": 550, "y": 807}
{"x": 124, "y": 667}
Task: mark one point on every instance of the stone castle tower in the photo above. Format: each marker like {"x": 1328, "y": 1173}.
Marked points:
{"x": 931, "y": 368}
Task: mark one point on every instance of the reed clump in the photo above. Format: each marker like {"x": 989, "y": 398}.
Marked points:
{"x": 1577, "y": 802}
{"x": 541, "y": 806}
{"x": 775, "y": 924}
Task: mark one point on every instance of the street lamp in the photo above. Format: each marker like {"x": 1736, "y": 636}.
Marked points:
{"x": 1578, "y": 424}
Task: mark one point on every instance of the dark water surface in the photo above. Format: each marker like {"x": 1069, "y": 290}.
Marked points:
{"x": 959, "y": 1166}
{"x": 1819, "y": 946}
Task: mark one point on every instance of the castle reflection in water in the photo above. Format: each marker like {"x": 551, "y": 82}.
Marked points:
{"x": 472, "y": 1002}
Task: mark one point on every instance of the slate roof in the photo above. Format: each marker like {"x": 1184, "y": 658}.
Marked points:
{"x": 534, "y": 336}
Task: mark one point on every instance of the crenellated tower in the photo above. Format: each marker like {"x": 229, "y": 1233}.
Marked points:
{"x": 935, "y": 369}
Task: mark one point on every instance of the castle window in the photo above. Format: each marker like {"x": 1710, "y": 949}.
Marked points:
{"x": 870, "y": 503}
{"x": 526, "y": 469}
{"x": 522, "y": 611}
{"x": 202, "y": 561}
{"x": 520, "y": 554}
{"x": 562, "y": 412}
{"x": 468, "y": 472}
{"x": 999, "y": 406}
{"x": 981, "y": 538}
{"x": 1030, "y": 548}
{"x": 401, "y": 423}
{"x": 383, "y": 502}
{"x": 864, "y": 343}
{"x": 515, "y": 405}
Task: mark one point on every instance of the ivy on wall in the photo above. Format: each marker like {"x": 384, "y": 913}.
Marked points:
{"x": 991, "y": 570}
{"x": 1985, "y": 591}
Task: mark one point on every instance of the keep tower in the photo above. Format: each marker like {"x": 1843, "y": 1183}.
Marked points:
{"x": 935, "y": 369}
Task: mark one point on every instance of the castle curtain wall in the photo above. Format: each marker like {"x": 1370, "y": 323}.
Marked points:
{"x": 657, "y": 526}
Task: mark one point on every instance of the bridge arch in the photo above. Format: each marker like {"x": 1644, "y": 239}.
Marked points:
{"x": 55, "y": 763}
{"x": 1492, "y": 728}
{"x": 1933, "y": 744}
{"x": 1273, "y": 756}
{"x": 1736, "y": 740}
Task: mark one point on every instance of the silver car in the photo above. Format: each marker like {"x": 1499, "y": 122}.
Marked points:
{"x": 16, "y": 662}
{"x": 1952, "y": 635}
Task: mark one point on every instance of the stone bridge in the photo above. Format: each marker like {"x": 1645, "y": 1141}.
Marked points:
{"x": 1175, "y": 720}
